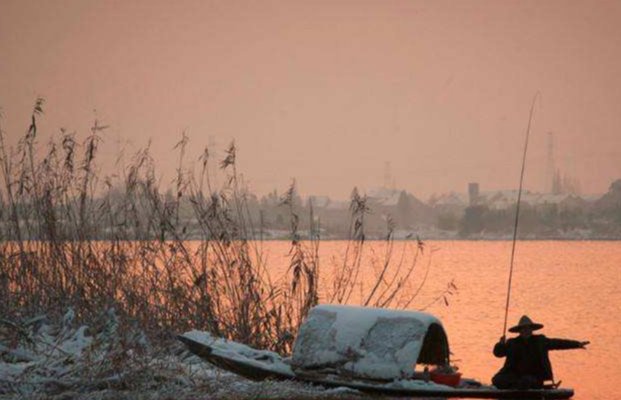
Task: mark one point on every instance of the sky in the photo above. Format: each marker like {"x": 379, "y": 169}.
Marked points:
{"x": 328, "y": 92}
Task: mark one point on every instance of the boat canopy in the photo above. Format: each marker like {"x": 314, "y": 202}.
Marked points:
{"x": 371, "y": 343}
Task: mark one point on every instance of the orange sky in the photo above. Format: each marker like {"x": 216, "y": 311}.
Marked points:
{"x": 328, "y": 91}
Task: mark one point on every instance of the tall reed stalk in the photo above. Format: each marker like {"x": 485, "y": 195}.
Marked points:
{"x": 71, "y": 237}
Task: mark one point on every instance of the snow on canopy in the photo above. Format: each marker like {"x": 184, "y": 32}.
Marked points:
{"x": 372, "y": 343}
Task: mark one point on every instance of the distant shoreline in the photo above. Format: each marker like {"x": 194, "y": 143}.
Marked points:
{"x": 373, "y": 240}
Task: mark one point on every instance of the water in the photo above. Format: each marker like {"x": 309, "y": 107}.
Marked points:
{"x": 570, "y": 287}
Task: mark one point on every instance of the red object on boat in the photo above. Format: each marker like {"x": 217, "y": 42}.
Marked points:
{"x": 443, "y": 378}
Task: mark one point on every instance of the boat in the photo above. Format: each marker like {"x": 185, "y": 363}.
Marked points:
{"x": 371, "y": 350}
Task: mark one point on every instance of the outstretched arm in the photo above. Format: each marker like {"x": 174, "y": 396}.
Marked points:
{"x": 564, "y": 344}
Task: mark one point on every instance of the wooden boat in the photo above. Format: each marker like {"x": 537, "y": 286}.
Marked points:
{"x": 356, "y": 372}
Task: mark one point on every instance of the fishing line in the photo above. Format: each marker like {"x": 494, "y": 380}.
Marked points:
{"x": 517, "y": 211}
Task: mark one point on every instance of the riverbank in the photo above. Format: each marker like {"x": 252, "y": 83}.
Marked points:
{"x": 40, "y": 359}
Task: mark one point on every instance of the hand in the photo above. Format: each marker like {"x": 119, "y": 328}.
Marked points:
{"x": 503, "y": 339}
{"x": 584, "y": 344}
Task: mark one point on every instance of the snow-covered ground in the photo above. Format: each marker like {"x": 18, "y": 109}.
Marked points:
{"x": 43, "y": 360}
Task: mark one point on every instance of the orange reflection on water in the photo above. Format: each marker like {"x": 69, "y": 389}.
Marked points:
{"x": 571, "y": 287}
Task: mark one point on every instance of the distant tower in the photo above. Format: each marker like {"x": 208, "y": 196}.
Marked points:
{"x": 473, "y": 193}
{"x": 550, "y": 167}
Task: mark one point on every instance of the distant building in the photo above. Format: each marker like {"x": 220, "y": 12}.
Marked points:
{"x": 405, "y": 209}
{"x": 449, "y": 202}
{"x": 500, "y": 199}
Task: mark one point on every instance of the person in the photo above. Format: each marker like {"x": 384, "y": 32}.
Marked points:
{"x": 527, "y": 365}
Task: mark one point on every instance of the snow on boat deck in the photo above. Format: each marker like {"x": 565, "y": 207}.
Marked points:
{"x": 240, "y": 352}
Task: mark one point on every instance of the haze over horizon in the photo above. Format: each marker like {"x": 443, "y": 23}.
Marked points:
{"x": 328, "y": 92}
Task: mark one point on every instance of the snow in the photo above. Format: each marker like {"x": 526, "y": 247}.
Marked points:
{"x": 350, "y": 320}
{"x": 410, "y": 384}
{"x": 52, "y": 354}
{"x": 451, "y": 199}
{"x": 503, "y": 199}
{"x": 240, "y": 352}
{"x": 384, "y": 196}
{"x": 67, "y": 360}
{"x": 363, "y": 342}
{"x": 62, "y": 361}
{"x": 342, "y": 390}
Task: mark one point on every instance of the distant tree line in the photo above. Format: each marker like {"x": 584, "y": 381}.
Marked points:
{"x": 598, "y": 219}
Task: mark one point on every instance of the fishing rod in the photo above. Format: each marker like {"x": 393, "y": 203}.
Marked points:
{"x": 517, "y": 211}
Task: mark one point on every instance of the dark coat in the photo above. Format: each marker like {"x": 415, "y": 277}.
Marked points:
{"x": 530, "y": 356}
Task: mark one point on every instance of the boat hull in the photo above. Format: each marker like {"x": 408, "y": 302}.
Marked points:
{"x": 255, "y": 371}
{"x": 252, "y": 372}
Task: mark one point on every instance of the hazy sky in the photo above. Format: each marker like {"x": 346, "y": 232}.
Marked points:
{"x": 329, "y": 91}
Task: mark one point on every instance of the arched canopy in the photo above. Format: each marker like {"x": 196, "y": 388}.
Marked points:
{"x": 435, "y": 349}
{"x": 369, "y": 342}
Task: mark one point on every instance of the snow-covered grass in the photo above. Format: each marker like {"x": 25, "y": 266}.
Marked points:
{"x": 56, "y": 206}
{"x": 47, "y": 360}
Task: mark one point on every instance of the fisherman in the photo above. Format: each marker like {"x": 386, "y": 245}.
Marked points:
{"x": 527, "y": 365}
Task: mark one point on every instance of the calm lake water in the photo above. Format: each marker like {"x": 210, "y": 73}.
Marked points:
{"x": 571, "y": 287}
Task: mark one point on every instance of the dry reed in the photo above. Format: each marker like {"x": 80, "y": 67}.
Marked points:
{"x": 71, "y": 238}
